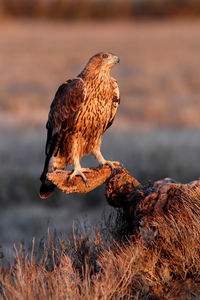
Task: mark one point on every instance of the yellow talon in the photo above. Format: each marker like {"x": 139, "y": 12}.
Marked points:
{"x": 110, "y": 164}
{"x": 79, "y": 172}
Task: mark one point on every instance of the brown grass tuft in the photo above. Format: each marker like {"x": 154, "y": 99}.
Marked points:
{"x": 162, "y": 263}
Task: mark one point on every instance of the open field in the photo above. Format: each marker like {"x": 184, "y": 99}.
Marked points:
{"x": 156, "y": 131}
{"x": 159, "y": 74}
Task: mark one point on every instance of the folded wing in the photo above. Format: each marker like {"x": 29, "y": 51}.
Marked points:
{"x": 115, "y": 102}
{"x": 64, "y": 112}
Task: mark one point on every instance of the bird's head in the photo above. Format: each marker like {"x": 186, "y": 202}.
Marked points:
{"x": 103, "y": 61}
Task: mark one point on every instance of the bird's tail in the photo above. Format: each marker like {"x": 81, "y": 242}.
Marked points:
{"x": 47, "y": 187}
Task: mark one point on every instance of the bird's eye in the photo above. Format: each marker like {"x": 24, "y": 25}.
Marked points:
{"x": 105, "y": 55}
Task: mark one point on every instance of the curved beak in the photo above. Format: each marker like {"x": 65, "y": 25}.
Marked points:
{"x": 116, "y": 59}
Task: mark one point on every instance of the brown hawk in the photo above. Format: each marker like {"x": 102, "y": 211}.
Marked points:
{"x": 83, "y": 109}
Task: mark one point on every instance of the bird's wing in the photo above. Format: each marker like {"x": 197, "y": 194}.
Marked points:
{"x": 115, "y": 101}
{"x": 64, "y": 112}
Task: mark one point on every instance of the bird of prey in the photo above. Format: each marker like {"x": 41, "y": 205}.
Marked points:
{"x": 82, "y": 110}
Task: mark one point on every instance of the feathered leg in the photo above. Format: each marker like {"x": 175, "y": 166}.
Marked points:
{"x": 97, "y": 153}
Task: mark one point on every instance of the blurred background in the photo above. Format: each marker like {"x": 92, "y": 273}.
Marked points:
{"x": 156, "y": 131}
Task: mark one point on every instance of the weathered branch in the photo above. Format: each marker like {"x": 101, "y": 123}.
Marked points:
{"x": 124, "y": 191}
{"x": 157, "y": 195}
{"x": 121, "y": 188}
{"x": 95, "y": 178}
{"x": 141, "y": 204}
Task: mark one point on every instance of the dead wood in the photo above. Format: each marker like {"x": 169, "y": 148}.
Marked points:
{"x": 95, "y": 178}
{"x": 122, "y": 190}
{"x": 139, "y": 202}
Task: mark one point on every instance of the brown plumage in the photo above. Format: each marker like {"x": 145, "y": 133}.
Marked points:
{"x": 82, "y": 110}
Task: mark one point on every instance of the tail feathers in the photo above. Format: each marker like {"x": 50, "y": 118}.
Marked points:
{"x": 46, "y": 189}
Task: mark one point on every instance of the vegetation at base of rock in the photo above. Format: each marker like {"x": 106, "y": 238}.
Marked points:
{"x": 112, "y": 262}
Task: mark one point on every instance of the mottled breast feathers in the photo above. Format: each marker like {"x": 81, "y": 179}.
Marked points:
{"x": 66, "y": 107}
{"x": 82, "y": 110}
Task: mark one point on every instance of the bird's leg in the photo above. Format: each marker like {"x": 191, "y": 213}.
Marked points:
{"x": 102, "y": 161}
{"x": 78, "y": 171}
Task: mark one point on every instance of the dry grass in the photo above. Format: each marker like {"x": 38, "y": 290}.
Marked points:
{"x": 159, "y": 77}
{"x": 163, "y": 263}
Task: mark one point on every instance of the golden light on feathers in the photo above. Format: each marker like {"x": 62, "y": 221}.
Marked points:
{"x": 83, "y": 109}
